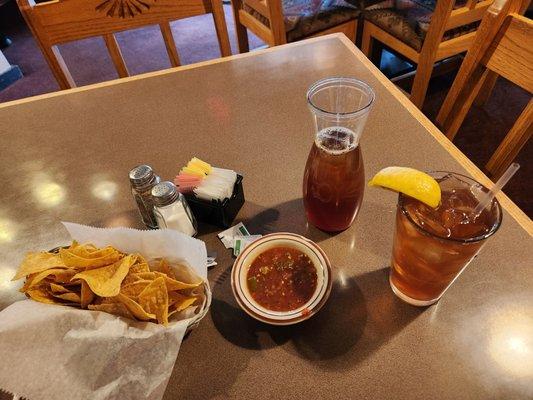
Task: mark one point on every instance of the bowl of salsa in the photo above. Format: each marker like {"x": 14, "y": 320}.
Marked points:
{"x": 281, "y": 279}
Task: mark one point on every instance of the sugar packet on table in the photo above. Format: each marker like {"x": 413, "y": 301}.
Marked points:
{"x": 52, "y": 351}
{"x": 229, "y": 234}
{"x": 242, "y": 242}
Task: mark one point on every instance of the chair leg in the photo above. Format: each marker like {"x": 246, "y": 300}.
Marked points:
{"x": 376, "y": 53}
{"x": 517, "y": 137}
{"x": 240, "y": 29}
{"x": 277, "y": 24}
{"x": 486, "y": 90}
{"x": 421, "y": 83}
{"x": 367, "y": 41}
{"x": 221, "y": 28}
{"x": 57, "y": 65}
{"x": 170, "y": 44}
{"x": 116, "y": 55}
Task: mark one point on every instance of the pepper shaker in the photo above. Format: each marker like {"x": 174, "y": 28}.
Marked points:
{"x": 171, "y": 209}
{"x": 142, "y": 180}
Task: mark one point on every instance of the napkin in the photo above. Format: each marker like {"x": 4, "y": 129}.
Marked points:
{"x": 58, "y": 352}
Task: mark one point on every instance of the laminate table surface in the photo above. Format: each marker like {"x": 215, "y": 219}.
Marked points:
{"x": 66, "y": 157}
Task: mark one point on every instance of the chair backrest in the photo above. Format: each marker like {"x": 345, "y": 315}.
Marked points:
{"x": 471, "y": 11}
{"x": 447, "y": 16}
{"x": 504, "y": 46}
{"x": 511, "y": 53}
{"x": 60, "y": 21}
{"x": 270, "y": 13}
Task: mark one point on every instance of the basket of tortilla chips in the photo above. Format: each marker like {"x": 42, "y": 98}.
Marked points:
{"x": 106, "y": 316}
{"x": 106, "y": 279}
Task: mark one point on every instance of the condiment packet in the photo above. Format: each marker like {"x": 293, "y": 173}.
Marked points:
{"x": 229, "y": 234}
{"x": 240, "y": 243}
{"x": 211, "y": 258}
{"x": 207, "y": 182}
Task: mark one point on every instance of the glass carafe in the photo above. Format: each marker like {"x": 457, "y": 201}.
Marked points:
{"x": 334, "y": 178}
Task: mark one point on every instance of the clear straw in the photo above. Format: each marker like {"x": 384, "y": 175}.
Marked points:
{"x": 337, "y": 106}
{"x": 487, "y": 197}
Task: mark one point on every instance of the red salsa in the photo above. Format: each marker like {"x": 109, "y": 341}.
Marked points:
{"x": 282, "y": 279}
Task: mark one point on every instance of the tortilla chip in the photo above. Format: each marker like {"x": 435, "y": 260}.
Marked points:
{"x": 179, "y": 302}
{"x": 86, "y": 295}
{"x": 173, "y": 284}
{"x": 90, "y": 251}
{"x": 38, "y": 262}
{"x": 140, "y": 267}
{"x": 134, "y": 289}
{"x": 27, "y": 282}
{"x": 108, "y": 300}
{"x": 71, "y": 296}
{"x": 112, "y": 308}
{"x": 65, "y": 276}
{"x": 154, "y": 300}
{"x": 41, "y": 295}
{"x": 146, "y": 275}
{"x": 106, "y": 281}
{"x": 44, "y": 274}
{"x": 135, "y": 308}
{"x": 58, "y": 288}
{"x": 166, "y": 269}
{"x": 131, "y": 278}
{"x": 73, "y": 260}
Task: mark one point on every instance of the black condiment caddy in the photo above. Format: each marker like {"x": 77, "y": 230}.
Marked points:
{"x": 218, "y": 212}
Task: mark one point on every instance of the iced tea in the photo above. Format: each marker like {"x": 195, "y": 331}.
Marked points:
{"x": 334, "y": 180}
{"x": 334, "y": 177}
{"x": 433, "y": 246}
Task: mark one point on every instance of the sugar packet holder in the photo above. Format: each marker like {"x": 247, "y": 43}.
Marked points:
{"x": 220, "y": 213}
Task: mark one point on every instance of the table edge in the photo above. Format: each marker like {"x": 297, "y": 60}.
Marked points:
{"x": 523, "y": 220}
{"x": 166, "y": 71}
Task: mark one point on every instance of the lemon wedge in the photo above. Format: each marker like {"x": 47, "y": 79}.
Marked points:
{"x": 411, "y": 182}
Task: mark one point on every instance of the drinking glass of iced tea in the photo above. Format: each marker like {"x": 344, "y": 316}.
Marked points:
{"x": 334, "y": 177}
{"x": 432, "y": 246}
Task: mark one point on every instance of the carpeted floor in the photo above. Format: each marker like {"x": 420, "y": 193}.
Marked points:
{"x": 144, "y": 51}
{"x": 89, "y": 62}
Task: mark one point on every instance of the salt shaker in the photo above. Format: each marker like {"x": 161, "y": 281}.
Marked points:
{"x": 142, "y": 180}
{"x": 171, "y": 209}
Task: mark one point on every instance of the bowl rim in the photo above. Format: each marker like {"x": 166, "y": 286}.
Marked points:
{"x": 301, "y": 315}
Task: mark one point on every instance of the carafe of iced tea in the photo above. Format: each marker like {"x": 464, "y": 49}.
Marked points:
{"x": 334, "y": 177}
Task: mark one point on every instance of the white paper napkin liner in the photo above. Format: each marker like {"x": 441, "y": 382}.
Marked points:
{"x": 158, "y": 243}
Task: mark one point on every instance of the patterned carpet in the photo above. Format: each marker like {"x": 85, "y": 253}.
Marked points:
{"x": 144, "y": 51}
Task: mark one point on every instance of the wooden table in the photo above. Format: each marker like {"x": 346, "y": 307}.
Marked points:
{"x": 65, "y": 156}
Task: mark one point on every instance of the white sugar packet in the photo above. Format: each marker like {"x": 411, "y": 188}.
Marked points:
{"x": 229, "y": 234}
{"x": 242, "y": 242}
{"x": 57, "y": 352}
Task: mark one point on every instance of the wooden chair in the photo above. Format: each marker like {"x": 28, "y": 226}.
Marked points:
{"x": 281, "y": 21}
{"x": 60, "y": 21}
{"x": 503, "y": 46}
{"x": 424, "y": 31}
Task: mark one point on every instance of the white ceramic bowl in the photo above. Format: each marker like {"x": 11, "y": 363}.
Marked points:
{"x": 250, "y": 306}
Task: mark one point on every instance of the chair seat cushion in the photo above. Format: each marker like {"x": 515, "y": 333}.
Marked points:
{"x": 408, "y": 21}
{"x": 306, "y": 17}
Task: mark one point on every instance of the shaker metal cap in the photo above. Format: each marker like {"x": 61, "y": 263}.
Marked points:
{"x": 165, "y": 193}
{"x": 141, "y": 174}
